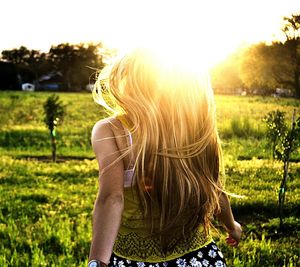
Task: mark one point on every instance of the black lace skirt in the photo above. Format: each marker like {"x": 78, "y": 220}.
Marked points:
{"x": 207, "y": 256}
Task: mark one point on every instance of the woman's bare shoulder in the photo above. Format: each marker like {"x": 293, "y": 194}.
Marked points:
{"x": 106, "y": 127}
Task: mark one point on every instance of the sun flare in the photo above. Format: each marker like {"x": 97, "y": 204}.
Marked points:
{"x": 174, "y": 33}
{"x": 196, "y": 31}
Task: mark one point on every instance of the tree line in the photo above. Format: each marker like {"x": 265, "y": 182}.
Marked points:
{"x": 260, "y": 68}
{"x": 74, "y": 63}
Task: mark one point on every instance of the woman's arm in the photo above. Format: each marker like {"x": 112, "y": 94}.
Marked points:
{"x": 109, "y": 204}
{"x": 232, "y": 227}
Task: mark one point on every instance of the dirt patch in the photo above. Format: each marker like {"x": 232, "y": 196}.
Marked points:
{"x": 59, "y": 159}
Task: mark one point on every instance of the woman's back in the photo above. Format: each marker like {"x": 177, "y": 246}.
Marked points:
{"x": 171, "y": 113}
{"x": 135, "y": 240}
{"x": 163, "y": 145}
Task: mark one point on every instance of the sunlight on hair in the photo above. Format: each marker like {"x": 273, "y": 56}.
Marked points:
{"x": 189, "y": 53}
{"x": 189, "y": 58}
{"x": 163, "y": 96}
{"x": 173, "y": 68}
{"x": 101, "y": 90}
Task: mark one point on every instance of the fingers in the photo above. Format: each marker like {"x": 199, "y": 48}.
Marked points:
{"x": 231, "y": 242}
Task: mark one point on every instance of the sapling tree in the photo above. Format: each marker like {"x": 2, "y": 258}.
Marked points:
{"x": 54, "y": 112}
{"x": 276, "y": 128}
{"x": 285, "y": 140}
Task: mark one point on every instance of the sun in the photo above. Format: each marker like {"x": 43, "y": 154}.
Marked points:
{"x": 199, "y": 33}
{"x": 189, "y": 54}
{"x": 185, "y": 32}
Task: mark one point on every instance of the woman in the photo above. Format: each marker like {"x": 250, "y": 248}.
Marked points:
{"x": 159, "y": 157}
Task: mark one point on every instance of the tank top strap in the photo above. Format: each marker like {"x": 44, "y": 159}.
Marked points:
{"x": 128, "y": 173}
{"x": 126, "y": 128}
{"x": 130, "y": 137}
{"x": 131, "y": 156}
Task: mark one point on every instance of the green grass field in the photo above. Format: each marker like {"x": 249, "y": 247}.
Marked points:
{"x": 45, "y": 207}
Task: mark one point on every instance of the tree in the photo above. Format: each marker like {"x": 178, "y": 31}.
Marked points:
{"x": 16, "y": 56}
{"x": 76, "y": 63}
{"x": 54, "y": 112}
{"x": 63, "y": 58}
{"x": 8, "y": 76}
{"x": 285, "y": 140}
{"x": 256, "y": 68}
{"x": 276, "y": 128}
{"x": 277, "y": 64}
{"x": 291, "y": 27}
{"x": 30, "y": 64}
{"x": 226, "y": 75}
{"x": 288, "y": 70}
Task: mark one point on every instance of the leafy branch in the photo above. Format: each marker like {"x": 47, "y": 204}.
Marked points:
{"x": 284, "y": 141}
{"x": 54, "y": 112}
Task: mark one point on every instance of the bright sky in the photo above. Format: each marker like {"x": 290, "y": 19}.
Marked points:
{"x": 217, "y": 26}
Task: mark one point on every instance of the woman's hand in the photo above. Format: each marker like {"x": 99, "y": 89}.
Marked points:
{"x": 232, "y": 227}
{"x": 234, "y": 235}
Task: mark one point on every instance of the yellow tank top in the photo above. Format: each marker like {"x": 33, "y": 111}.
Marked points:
{"x": 134, "y": 242}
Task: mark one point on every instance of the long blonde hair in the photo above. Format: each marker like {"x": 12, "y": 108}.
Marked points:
{"x": 171, "y": 113}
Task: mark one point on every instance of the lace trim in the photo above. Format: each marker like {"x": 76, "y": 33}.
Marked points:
{"x": 134, "y": 247}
